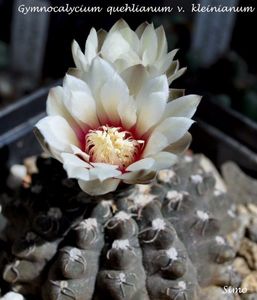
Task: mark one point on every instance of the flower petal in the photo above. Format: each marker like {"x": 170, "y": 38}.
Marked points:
{"x": 55, "y": 105}
{"x": 72, "y": 83}
{"x": 115, "y": 47}
{"x": 152, "y": 112}
{"x": 155, "y": 144}
{"x": 137, "y": 177}
{"x": 155, "y": 85}
{"x": 123, "y": 62}
{"x": 75, "y": 167}
{"x": 127, "y": 33}
{"x": 176, "y": 75}
{"x": 182, "y": 107}
{"x": 96, "y": 187}
{"x": 43, "y": 143}
{"x": 162, "y": 42}
{"x": 57, "y": 135}
{"x": 78, "y": 152}
{"x": 103, "y": 172}
{"x": 79, "y": 102}
{"x": 149, "y": 45}
{"x": 104, "y": 165}
{"x": 141, "y": 28}
{"x": 131, "y": 37}
{"x": 169, "y": 131}
{"x": 100, "y": 72}
{"x": 164, "y": 160}
{"x": 91, "y": 47}
{"x": 135, "y": 77}
{"x": 128, "y": 113}
{"x": 166, "y": 64}
{"x": 78, "y": 56}
{"x": 83, "y": 108}
{"x": 119, "y": 25}
{"x": 79, "y": 169}
{"x": 142, "y": 164}
{"x": 181, "y": 145}
{"x": 152, "y": 101}
{"x": 101, "y": 35}
{"x": 114, "y": 92}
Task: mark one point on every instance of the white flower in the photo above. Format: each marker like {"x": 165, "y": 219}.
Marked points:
{"x": 125, "y": 49}
{"x": 104, "y": 135}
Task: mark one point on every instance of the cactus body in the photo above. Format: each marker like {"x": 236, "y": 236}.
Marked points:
{"x": 165, "y": 240}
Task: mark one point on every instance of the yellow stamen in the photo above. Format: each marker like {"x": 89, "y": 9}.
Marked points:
{"x": 112, "y": 145}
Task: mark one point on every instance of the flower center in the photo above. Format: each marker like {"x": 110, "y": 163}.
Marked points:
{"x": 112, "y": 145}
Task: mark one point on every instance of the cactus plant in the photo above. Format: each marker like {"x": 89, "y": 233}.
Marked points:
{"x": 165, "y": 240}
{"x": 94, "y": 224}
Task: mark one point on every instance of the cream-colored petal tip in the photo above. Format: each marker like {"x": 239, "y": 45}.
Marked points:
{"x": 97, "y": 188}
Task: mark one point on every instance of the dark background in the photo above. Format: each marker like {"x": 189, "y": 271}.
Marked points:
{"x": 64, "y": 28}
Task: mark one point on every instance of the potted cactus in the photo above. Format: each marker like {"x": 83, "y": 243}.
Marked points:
{"x": 115, "y": 210}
